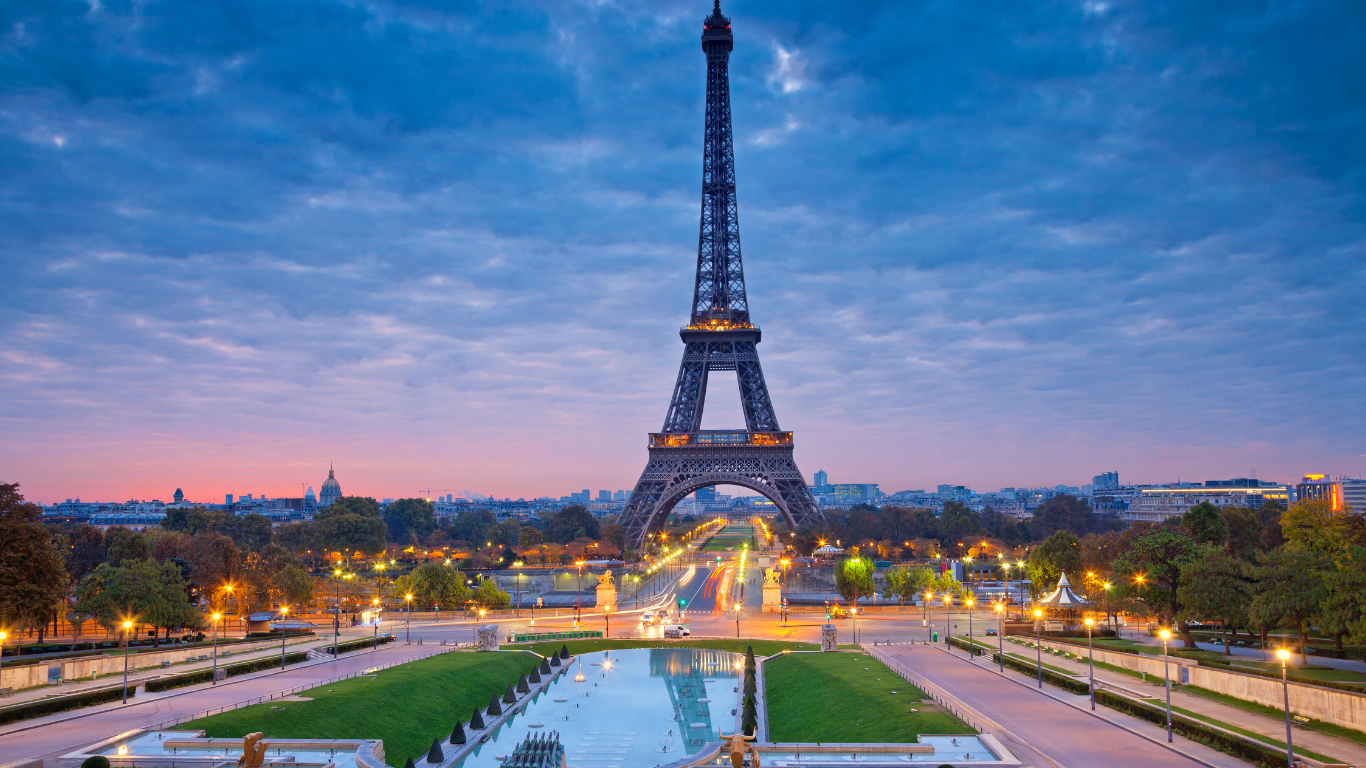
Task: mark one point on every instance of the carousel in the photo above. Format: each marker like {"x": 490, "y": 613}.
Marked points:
{"x": 1063, "y": 605}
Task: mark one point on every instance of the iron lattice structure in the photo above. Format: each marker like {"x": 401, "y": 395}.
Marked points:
{"x": 720, "y": 337}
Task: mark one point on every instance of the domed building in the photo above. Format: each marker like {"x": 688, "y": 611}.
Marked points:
{"x": 331, "y": 489}
{"x": 179, "y": 496}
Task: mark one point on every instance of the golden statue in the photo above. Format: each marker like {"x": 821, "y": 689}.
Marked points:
{"x": 253, "y": 751}
{"x": 605, "y": 580}
{"x": 771, "y": 577}
{"x": 738, "y": 744}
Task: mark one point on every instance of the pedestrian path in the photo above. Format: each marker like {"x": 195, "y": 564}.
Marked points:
{"x": 1067, "y": 736}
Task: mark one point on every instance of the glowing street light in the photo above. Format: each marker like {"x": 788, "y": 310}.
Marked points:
{"x": 1284, "y": 656}
{"x": 1038, "y": 642}
{"x": 216, "y": 617}
{"x": 408, "y": 620}
{"x": 1091, "y": 651}
{"x": 127, "y": 626}
{"x": 1166, "y": 634}
{"x": 284, "y": 623}
{"x": 1001, "y": 636}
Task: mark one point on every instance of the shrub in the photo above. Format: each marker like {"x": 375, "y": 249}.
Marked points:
{"x": 96, "y": 761}
{"x": 1049, "y": 676}
{"x": 233, "y": 670}
{"x": 61, "y": 704}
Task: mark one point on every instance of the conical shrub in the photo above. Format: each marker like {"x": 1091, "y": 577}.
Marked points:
{"x": 435, "y": 755}
{"x": 494, "y": 708}
{"x": 409, "y": 764}
{"x": 458, "y": 733}
{"x": 522, "y": 686}
{"x": 476, "y": 720}
{"x": 545, "y": 665}
{"x": 564, "y": 650}
{"x": 555, "y": 660}
{"x": 508, "y": 696}
{"x": 535, "y": 676}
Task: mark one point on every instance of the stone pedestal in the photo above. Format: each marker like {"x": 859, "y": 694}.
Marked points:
{"x": 607, "y": 598}
{"x": 488, "y": 638}
{"x": 828, "y": 641}
{"x": 773, "y": 598}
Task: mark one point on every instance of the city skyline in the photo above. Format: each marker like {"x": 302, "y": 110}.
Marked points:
{"x": 1134, "y": 243}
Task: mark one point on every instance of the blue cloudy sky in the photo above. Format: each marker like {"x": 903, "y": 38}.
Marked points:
{"x": 449, "y": 245}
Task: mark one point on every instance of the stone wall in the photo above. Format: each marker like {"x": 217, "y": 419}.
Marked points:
{"x": 20, "y": 677}
{"x": 105, "y": 665}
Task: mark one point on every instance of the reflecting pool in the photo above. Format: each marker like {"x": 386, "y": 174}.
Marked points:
{"x": 640, "y": 708}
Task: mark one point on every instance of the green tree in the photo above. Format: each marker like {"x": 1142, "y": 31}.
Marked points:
{"x": 1312, "y": 526}
{"x": 957, "y": 522}
{"x": 490, "y": 596}
{"x": 1062, "y": 513}
{"x": 905, "y": 583}
{"x": 433, "y": 584}
{"x": 350, "y": 533}
{"x": 145, "y": 592}
{"x": 409, "y": 516}
{"x": 1269, "y": 513}
{"x": 1215, "y": 587}
{"x": 1206, "y": 524}
{"x": 530, "y": 536}
{"x": 1291, "y": 587}
{"x": 293, "y": 585}
{"x": 350, "y": 505}
{"x": 33, "y": 578}
{"x": 1149, "y": 571}
{"x": 123, "y": 545}
{"x": 611, "y": 532}
{"x": 854, "y": 579}
{"x": 1344, "y": 605}
{"x": 472, "y": 525}
{"x": 573, "y": 522}
{"x": 1062, "y": 552}
{"x": 1244, "y": 532}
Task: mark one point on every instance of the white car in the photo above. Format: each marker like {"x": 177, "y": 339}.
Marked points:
{"x": 647, "y": 618}
{"x": 676, "y": 630}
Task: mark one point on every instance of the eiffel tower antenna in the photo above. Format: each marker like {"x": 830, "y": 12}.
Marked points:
{"x": 719, "y": 337}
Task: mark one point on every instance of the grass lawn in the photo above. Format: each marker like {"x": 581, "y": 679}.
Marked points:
{"x": 847, "y": 697}
{"x": 1243, "y": 731}
{"x": 576, "y": 647}
{"x": 1274, "y": 712}
{"x": 406, "y": 706}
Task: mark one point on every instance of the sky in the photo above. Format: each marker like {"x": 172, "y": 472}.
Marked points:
{"x": 447, "y": 247}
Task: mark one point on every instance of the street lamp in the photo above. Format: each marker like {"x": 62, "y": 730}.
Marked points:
{"x": 127, "y": 625}
{"x": 782, "y": 609}
{"x": 1038, "y": 642}
{"x": 1001, "y": 636}
{"x": 284, "y": 627}
{"x": 1091, "y": 651}
{"x": 737, "y": 622}
{"x": 1166, "y": 635}
{"x": 216, "y": 617}
{"x": 970, "y": 646}
{"x": 374, "y": 622}
{"x": 518, "y": 566}
{"x": 948, "y": 628}
{"x": 408, "y": 620}
{"x": 3, "y": 635}
{"x": 578, "y": 593}
{"x": 928, "y": 597}
{"x": 336, "y": 611}
{"x": 1284, "y": 656}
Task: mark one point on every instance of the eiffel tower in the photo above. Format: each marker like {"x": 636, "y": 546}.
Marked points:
{"x": 720, "y": 337}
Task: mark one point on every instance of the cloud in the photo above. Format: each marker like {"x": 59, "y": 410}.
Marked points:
{"x": 992, "y": 244}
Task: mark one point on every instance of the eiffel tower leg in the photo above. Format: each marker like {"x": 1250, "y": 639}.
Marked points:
{"x": 690, "y": 392}
{"x": 759, "y": 415}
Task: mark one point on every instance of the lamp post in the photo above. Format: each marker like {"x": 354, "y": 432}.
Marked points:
{"x": 216, "y": 617}
{"x": 374, "y": 622}
{"x": 1038, "y": 643}
{"x": 970, "y": 646}
{"x": 1284, "y": 656}
{"x": 1001, "y": 636}
{"x": 1166, "y": 635}
{"x": 578, "y": 593}
{"x": 948, "y": 628}
{"x": 928, "y": 597}
{"x": 518, "y": 566}
{"x": 1091, "y": 652}
{"x": 3, "y": 635}
{"x": 284, "y": 621}
{"x": 737, "y": 621}
{"x": 408, "y": 620}
{"x": 127, "y": 626}
{"x": 336, "y": 611}
{"x": 782, "y": 609}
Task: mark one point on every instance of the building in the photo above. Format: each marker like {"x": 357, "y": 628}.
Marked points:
{"x": 1246, "y": 492}
{"x": 331, "y": 489}
{"x": 619, "y": 496}
{"x": 1353, "y": 494}
{"x": 1156, "y": 508}
{"x": 133, "y": 521}
{"x": 708, "y": 494}
{"x": 1320, "y": 488}
{"x": 604, "y": 495}
{"x": 1105, "y": 481}
{"x": 821, "y": 478}
{"x": 179, "y": 496}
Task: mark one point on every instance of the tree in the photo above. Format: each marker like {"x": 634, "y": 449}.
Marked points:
{"x": 143, "y": 591}
{"x": 1312, "y": 526}
{"x": 1150, "y": 571}
{"x": 1206, "y": 524}
{"x": 905, "y": 583}
{"x": 215, "y": 559}
{"x": 350, "y": 505}
{"x": 854, "y": 579}
{"x": 1344, "y": 606}
{"x": 957, "y": 522}
{"x": 293, "y": 585}
{"x": 1290, "y": 589}
{"x": 1062, "y": 513}
{"x": 615, "y": 534}
{"x": 530, "y": 536}
{"x": 1244, "y": 532}
{"x": 86, "y": 551}
{"x": 1270, "y": 515}
{"x": 33, "y": 577}
{"x": 250, "y": 531}
{"x": 123, "y": 545}
{"x": 572, "y": 522}
{"x": 1047, "y": 562}
{"x": 405, "y": 516}
{"x": 508, "y": 532}
{"x": 473, "y": 525}
{"x": 490, "y": 596}
{"x": 1215, "y": 587}
{"x": 349, "y": 533}
{"x": 433, "y": 584}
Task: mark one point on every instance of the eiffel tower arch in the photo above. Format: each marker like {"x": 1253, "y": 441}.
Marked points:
{"x": 719, "y": 337}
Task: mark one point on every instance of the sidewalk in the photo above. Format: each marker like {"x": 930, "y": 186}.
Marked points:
{"x": 1345, "y": 750}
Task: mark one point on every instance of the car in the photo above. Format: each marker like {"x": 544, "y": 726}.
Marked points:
{"x": 991, "y": 633}
{"x": 676, "y": 630}
{"x": 647, "y": 618}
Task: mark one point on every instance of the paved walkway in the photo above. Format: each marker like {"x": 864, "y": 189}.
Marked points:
{"x": 62, "y": 733}
{"x": 1067, "y": 736}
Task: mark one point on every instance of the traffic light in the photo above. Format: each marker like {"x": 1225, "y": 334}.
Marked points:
{"x": 682, "y": 602}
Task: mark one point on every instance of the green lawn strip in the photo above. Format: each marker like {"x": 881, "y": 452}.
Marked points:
{"x": 576, "y": 647}
{"x": 1243, "y": 732}
{"x": 406, "y": 706}
{"x": 808, "y": 697}
{"x": 1273, "y": 712}
{"x": 1035, "y": 663}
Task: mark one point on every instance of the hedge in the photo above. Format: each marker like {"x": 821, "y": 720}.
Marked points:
{"x": 1049, "y": 676}
{"x": 61, "y": 704}
{"x": 233, "y": 670}
{"x": 356, "y": 645}
{"x": 1294, "y": 678}
{"x": 1244, "y": 749}
{"x": 963, "y": 645}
